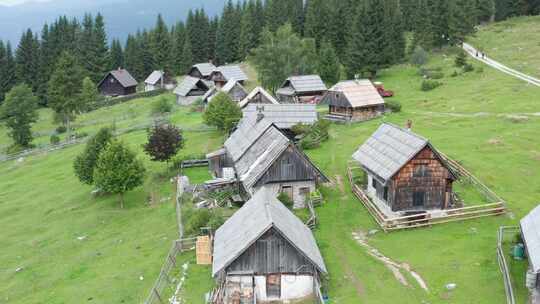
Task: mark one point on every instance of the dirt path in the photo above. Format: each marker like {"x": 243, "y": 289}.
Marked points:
{"x": 393, "y": 266}
{"x": 499, "y": 66}
{"x": 339, "y": 182}
{"x": 359, "y": 287}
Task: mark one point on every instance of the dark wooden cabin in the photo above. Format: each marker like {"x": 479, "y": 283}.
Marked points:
{"x": 202, "y": 70}
{"x": 353, "y": 100}
{"x": 117, "y": 83}
{"x": 266, "y": 249}
{"x": 258, "y": 96}
{"x": 302, "y": 89}
{"x": 404, "y": 171}
{"x": 221, "y": 75}
{"x": 263, "y": 156}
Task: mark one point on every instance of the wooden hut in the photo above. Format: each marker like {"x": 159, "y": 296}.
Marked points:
{"x": 405, "y": 173}
{"x": 202, "y": 70}
{"x": 530, "y": 232}
{"x": 117, "y": 83}
{"x": 222, "y": 74}
{"x": 159, "y": 80}
{"x": 258, "y": 96}
{"x": 302, "y": 89}
{"x": 232, "y": 88}
{"x": 263, "y": 156}
{"x": 265, "y": 254}
{"x": 190, "y": 89}
{"x": 353, "y": 100}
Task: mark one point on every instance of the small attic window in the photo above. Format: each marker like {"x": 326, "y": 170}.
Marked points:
{"x": 112, "y": 80}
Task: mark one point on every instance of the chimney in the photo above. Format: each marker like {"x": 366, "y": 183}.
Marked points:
{"x": 119, "y": 68}
{"x": 409, "y": 125}
{"x": 260, "y": 114}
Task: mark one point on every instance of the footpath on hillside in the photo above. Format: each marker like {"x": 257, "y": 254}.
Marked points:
{"x": 499, "y": 66}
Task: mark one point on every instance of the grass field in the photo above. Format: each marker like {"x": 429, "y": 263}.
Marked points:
{"x": 513, "y": 42}
{"x": 484, "y": 119}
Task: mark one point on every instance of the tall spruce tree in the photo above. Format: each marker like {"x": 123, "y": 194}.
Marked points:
{"x": 161, "y": 45}
{"x": 27, "y": 60}
{"x": 3, "y": 71}
{"x": 116, "y": 55}
{"x": 179, "y": 37}
{"x": 461, "y": 21}
{"x": 485, "y": 10}
{"x": 422, "y": 27}
{"x": 132, "y": 55}
{"x": 99, "y": 58}
{"x": 328, "y": 65}
{"x": 316, "y": 25}
{"x": 187, "y": 57}
{"x": 440, "y": 17}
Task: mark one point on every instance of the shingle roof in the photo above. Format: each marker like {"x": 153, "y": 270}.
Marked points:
{"x": 205, "y": 68}
{"x": 231, "y": 83}
{"x": 261, "y": 213}
{"x": 389, "y": 149}
{"x": 253, "y": 93}
{"x": 154, "y": 77}
{"x": 123, "y": 77}
{"x": 358, "y": 93}
{"x": 188, "y": 83}
{"x": 284, "y": 116}
{"x": 530, "y": 228}
{"x": 247, "y": 131}
{"x": 232, "y": 72}
{"x": 306, "y": 83}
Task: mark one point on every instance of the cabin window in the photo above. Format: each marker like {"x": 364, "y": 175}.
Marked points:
{"x": 421, "y": 171}
{"x": 385, "y": 194}
{"x": 286, "y": 165}
{"x": 287, "y": 190}
{"x": 273, "y": 286}
{"x": 418, "y": 199}
{"x": 374, "y": 183}
{"x": 111, "y": 80}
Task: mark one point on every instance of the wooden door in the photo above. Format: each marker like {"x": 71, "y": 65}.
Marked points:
{"x": 273, "y": 286}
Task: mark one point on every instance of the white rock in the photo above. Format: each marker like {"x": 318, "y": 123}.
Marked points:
{"x": 19, "y": 269}
{"x": 451, "y": 286}
{"x": 81, "y": 238}
{"x": 141, "y": 278}
{"x": 373, "y": 232}
{"x": 20, "y": 159}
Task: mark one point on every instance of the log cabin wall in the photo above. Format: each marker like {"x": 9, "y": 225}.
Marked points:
{"x": 271, "y": 253}
{"x": 194, "y": 72}
{"x": 237, "y": 93}
{"x": 424, "y": 183}
{"x": 112, "y": 87}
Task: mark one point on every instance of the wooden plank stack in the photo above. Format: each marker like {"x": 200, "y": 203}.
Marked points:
{"x": 204, "y": 250}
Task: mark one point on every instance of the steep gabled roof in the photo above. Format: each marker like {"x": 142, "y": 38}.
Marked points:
{"x": 123, "y": 77}
{"x": 247, "y": 131}
{"x": 284, "y": 116}
{"x": 189, "y": 83}
{"x": 205, "y": 69}
{"x": 253, "y": 93}
{"x": 530, "y": 229}
{"x": 305, "y": 83}
{"x": 260, "y": 214}
{"x": 356, "y": 93}
{"x": 154, "y": 77}
{"x": 232, "y": 72}
{"x": 390, "y": 148}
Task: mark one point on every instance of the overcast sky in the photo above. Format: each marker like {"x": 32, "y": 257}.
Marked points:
{"x": 15, "y": 2}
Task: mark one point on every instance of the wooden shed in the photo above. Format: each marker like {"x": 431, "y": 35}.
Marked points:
{"x": 190, "y": 89}
{"x": 221, "y": 75}
{"x": 263, "y": 156}
{"x": 159, "y": 80}
{"x": 353, "y": 100}
{"x": 530, "y": 232}
{"x": 302, "y": 89}
{"x": 265, "y": 254}
{"x": 258, "y": 96}
{"x": 117, "y": 83}
{"x": 405, "y": 173}
{"x": 232, "y": 88}
{"x": 202, "y": 70}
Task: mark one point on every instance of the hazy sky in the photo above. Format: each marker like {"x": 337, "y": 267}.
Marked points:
{"x": 15, "y": 2}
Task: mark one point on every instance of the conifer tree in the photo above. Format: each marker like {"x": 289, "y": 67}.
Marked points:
{"x": 329, "y": 66}
{"x": 132, "y": 57}
{"x": 439, "y": 12}
{"x": 316, "y": 21}
{"x": 27, "y": 60}
{"x": 145, "y": 55}
{"x": 485, "y": 10}
{"x": 100, "y": 60}
{"x": 187, "y": 57}
{"x": 422, "y": 27}
{"x": 247, "y": 37}
{"x": 161, "y": 45}
{"x": 461, "y": 21}
{"x": 116, "y": 55}
{"x": 179, "y": 37}
{"x": 3, "y": 71}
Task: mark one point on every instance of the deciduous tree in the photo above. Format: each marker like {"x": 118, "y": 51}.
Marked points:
{"x": 19, "y": 109}
{"x": 222, "y": 113}
{"x": 164, "y": 142}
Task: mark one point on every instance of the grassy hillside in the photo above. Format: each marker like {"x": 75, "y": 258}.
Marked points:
{"x": 515, "y": 42}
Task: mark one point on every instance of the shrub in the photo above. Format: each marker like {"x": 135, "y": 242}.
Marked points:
{"x": 310, "y": 141}
{"x": 80, "y": 135}
{"x": 286, "y": 200}
{"x": 55, "y": 140}
{"x": 436, "y": 75}
{"x": 419, "y": 56}
{"x": 480, "y": 70}
{"x": 454, "y": 74}
{"x": 360, "y": 177}
{"x": 428, "y": 85}
{"x": 61, "y": 129}
{"x": 468, "y": 68}
{"x": 393, "y": 105}
{"x": 161, "y": 106}
{"x": 461, "y": 59}
{"x": 196, "y": 219}
{"x": 215, "y": 221}
{"x": 85, "y": 163}
{"x": 312, "y": 136}
{"x": 222, "y": 113}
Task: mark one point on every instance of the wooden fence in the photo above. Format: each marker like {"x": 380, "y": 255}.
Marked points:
{"x": 164, "y": 285}
{"x": 387, "y": 223}
{"x": 503, "y": 265}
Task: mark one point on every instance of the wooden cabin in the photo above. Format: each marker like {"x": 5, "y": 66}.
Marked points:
{"x": 159, "y": 80}
{"x": 117, "y": 83}
{"x": 530, "y": 232}
{"x": 263, "y": 156}
{"x": 221, "y": 75}
{"x": 353, "y": 100}
{"x": 191, "y": 89}
{"x": 265, "y": 254}
{"x": 405, "y": 173}
{"x": 232, "y": 88}
{"x": 302, "y": 89}
{"x": 258, "y": 96}
{"x": 202, "y": 70}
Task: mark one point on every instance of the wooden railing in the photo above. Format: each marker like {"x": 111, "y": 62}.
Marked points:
{"x": 503, "y": 265}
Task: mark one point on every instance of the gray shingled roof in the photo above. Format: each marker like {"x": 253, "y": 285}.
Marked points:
{"x": 261, "y": 213}
{"x": 358, "y": 93}
{"x": 305, "y": 83}
{"x": 284, "y": 116}
{"x": 253, "y": 93}
{"x": 205, "y": 68}
{"x": 154, "y": 77}
{"x": 188, "y": 83}
{"x": 247, "y": 131}
{"x": 530, "y": 229}
{"x": 124, "y": 78}
{"x": 232, "y": 72}
{"x": 388, "y": 150}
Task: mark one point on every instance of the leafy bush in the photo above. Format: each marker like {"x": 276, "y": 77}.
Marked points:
{"x": 461, "y": 59}
{"x": 161, "y": 106}
{"x": 312, "y": 136}
{"x": 360, "y": 177}
{"x": 61, "y": 129}
{"x": 454, "y": 74}
{"x": 428, "y": 85}
{"x": 197, "y": 106}
{"x": 55, "y": 140}
{"x": 436, "y": 75}
{"x": 310, "y": 141}
{"x": 164, "y": 142}
{"x": 432, "y": 73}
{"x": 222, "y": 113}
{"x": 215, "y": 221}
{"x": 196, "y": 219}
{"x": 80, "y": 135}
{"x": 286, "y": 200}
{"x": 393, "y": 105}
{"x": 419, "y": 56}
{"x": 468, "y": 68}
